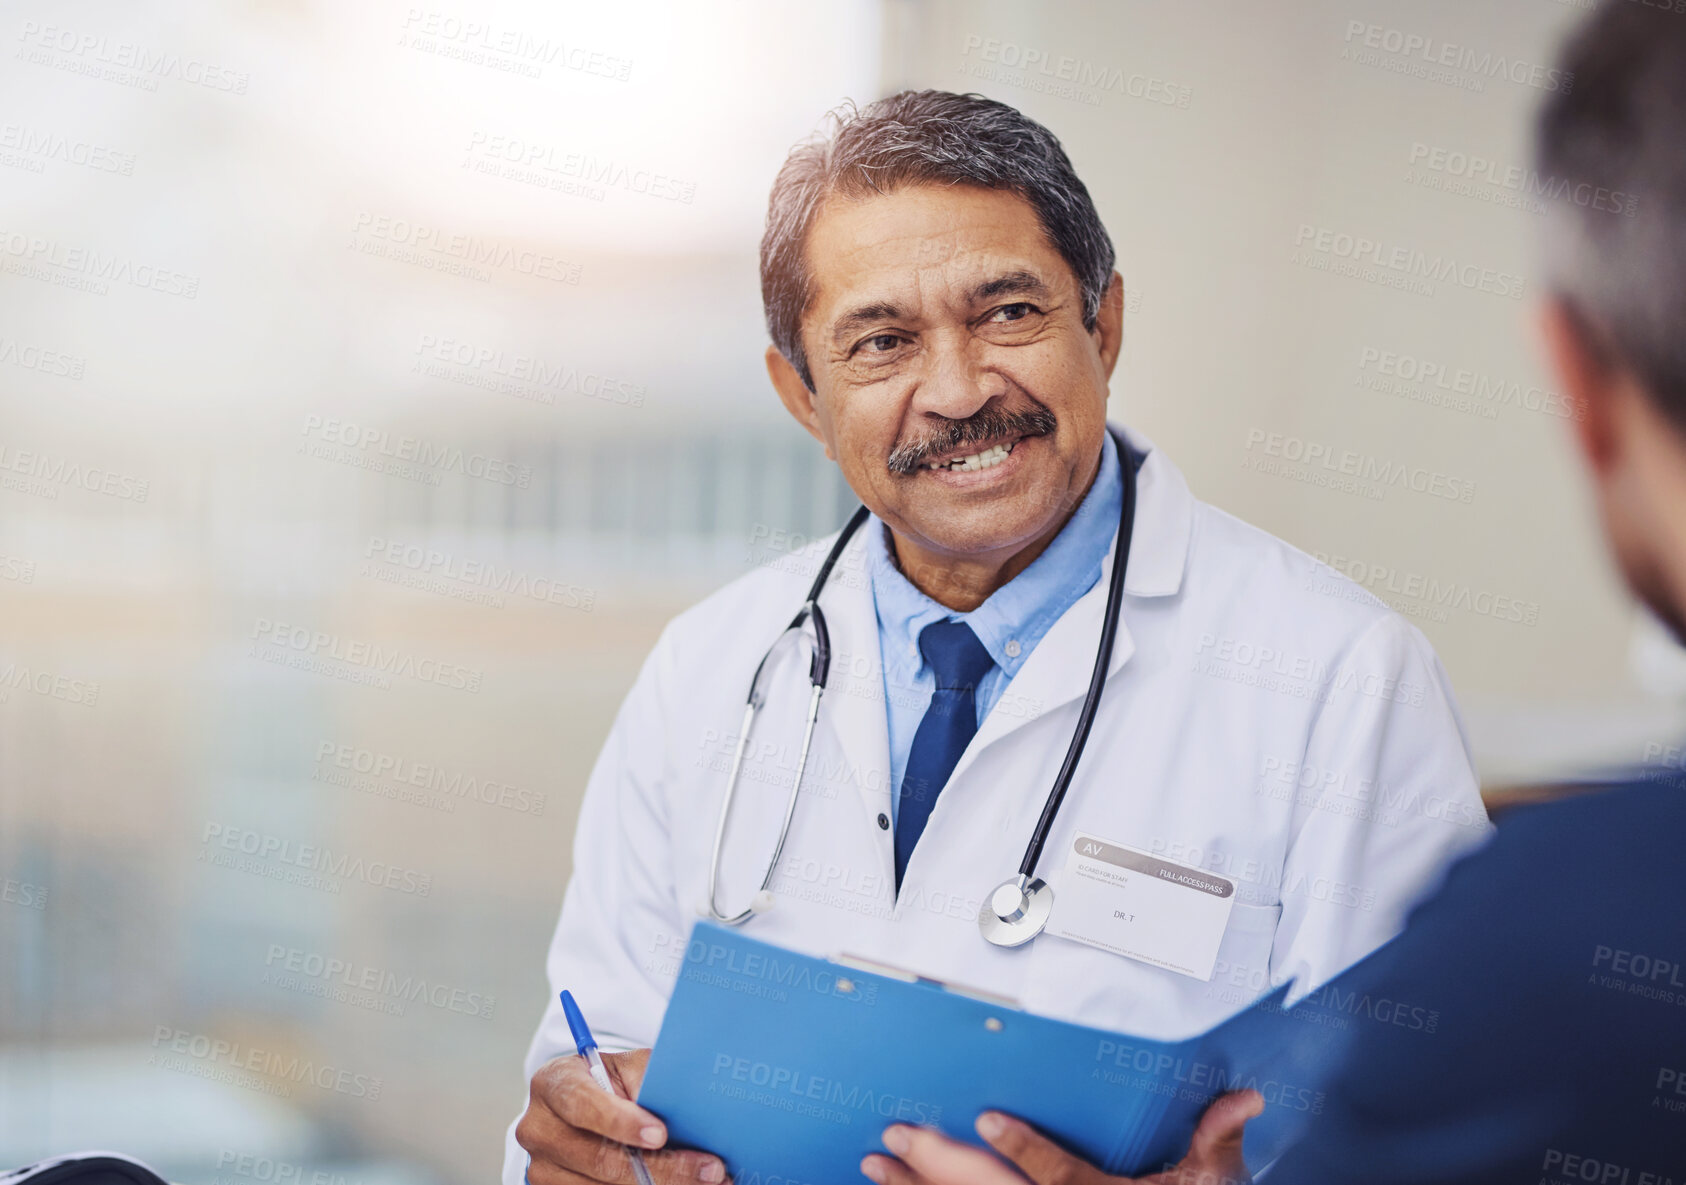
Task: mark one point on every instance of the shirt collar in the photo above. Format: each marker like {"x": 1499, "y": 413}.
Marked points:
{"x": 1016, "y": 616}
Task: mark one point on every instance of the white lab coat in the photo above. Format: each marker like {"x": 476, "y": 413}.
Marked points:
{"x": 1264, "y": 718}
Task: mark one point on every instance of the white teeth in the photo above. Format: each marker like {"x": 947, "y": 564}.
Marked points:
{"x": 987, "y": 459}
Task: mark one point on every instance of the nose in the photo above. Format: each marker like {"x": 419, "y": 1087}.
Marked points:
{"x": 955, "y": 383}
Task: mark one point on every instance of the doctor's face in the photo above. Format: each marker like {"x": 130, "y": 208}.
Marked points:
{"x": 954, "y": 382}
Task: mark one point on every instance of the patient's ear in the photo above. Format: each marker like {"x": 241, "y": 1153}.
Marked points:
{"x": 794, "y": 394}
{"x": 1589, "y": 381}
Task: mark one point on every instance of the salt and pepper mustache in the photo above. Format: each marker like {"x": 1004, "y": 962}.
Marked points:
{"x": 989, "y": 424}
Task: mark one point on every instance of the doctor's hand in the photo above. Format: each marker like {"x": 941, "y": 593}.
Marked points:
{"x": 927, "y": 1157}
{"x": 574, "y": 1132}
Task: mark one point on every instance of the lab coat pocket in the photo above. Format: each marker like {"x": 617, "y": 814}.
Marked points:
{"x": 1242, "y": 972}
{"x": 1084, "y": 984}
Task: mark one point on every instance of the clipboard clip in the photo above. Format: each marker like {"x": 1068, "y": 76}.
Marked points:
{"x": 890, "y": 971}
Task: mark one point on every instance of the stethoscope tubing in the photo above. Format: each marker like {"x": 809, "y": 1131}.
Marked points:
{"x": 819, "y": 670}
{"x": 1097, "y": 679}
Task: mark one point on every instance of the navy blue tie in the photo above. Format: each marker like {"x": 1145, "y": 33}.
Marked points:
{"x": 959, "y": 661}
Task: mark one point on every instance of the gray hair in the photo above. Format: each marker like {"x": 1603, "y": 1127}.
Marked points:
{"x": 923, "y": 138}
{"x": 1611, "y": 151}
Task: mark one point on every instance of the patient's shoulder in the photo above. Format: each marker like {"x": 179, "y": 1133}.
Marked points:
{"x": 1567, "y": 884}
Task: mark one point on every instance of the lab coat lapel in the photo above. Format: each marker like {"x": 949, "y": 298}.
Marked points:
{"x": 1058, "y": 671}
{"x": 853, "y": 710}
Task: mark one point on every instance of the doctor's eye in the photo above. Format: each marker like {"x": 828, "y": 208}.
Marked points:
{"x": 878, "y": 350}
{"x": 1018, "y": 311}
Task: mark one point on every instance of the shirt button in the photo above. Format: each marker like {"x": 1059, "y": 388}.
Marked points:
{"x": 1013, "y": 648}
{"x": 913, "y": 649}
{"x": 883, "y": 821}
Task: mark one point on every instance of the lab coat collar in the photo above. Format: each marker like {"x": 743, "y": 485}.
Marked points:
{"x": 854, "y": 703}
{"x": 1164, "y": 525}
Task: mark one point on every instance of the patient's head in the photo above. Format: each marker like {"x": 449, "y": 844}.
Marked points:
{"x": 1613, "y": 147}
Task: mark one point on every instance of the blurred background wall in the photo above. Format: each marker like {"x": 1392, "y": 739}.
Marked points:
{"x": 378, "y": 376}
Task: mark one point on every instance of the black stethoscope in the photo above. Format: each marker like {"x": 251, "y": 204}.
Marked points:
{"x": 1018, "y": 908}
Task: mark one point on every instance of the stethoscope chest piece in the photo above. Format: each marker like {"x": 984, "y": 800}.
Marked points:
{"x": 1016, "y": 911}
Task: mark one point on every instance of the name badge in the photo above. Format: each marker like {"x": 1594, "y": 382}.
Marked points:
{"x": 1127, "y": 901}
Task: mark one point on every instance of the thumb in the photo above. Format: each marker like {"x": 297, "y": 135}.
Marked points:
{"x": 1217, "y": 1140}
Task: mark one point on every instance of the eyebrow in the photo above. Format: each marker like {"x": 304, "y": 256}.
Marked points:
{"x": 1016, "y": 283}
{"x": 858, "y": 318}
{"x": 1019, "y": 283}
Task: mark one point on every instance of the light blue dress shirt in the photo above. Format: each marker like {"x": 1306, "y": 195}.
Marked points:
{"x": 1009, "y": 624}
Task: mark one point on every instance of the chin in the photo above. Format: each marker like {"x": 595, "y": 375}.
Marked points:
{"x": 981, "y": 533}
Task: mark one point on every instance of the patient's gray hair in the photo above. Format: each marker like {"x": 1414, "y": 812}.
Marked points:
{"x": 1613, "y": 149}
{"x": 923, "y": 138}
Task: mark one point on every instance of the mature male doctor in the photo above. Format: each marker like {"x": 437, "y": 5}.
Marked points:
{"x": 945, "y": 319}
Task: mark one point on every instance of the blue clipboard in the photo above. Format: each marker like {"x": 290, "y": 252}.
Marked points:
{"x": 790, "y": 1067}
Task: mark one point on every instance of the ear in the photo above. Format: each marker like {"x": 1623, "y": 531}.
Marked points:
{"x": 1587, "y": 380}
{"x": 794, "y": 394}
{"x": 1108, "y": 333}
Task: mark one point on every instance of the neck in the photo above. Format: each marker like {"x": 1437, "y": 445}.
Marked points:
{"x": 962, "y": 581}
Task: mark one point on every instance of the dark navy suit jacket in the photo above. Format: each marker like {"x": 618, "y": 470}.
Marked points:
{"x": 1555, "y": 958}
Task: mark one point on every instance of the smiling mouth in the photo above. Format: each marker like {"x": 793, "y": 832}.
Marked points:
{"x": 989, "y": 458}
{"x": 983, "y": 440}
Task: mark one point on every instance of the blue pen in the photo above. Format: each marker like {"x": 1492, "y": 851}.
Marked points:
{"x": 587, "y": 1046}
